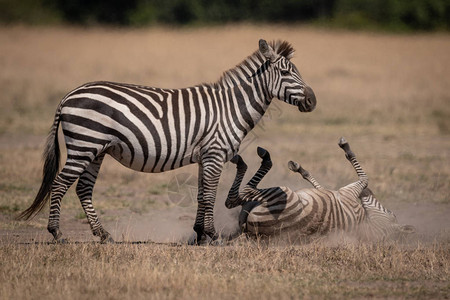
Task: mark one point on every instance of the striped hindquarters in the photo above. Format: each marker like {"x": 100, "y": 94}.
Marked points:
{"x": 280, "y": 209}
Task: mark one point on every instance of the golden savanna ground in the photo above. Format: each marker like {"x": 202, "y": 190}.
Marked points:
{"x": 387, "y": 94}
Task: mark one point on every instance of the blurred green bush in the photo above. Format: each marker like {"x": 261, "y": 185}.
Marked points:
{"x": 354, "y": 14}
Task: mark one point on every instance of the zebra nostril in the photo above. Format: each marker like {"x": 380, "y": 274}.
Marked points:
{"x": 310, "y": 98}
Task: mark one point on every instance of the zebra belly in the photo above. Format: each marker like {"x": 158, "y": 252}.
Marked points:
{"x": 307, "y": 211}
{"x": 153, "y": 161}
{"x": 277, "y": 215}
{"x": 332, "y": 211}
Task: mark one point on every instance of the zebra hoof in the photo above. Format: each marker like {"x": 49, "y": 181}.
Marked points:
{"x": 235, "y": 160}
{"x": 192, "y": 241}
{"x": 263, "y": 153}
{"x": 342, "y": 141}
{"x": 57, "y": 234}
{"x": 217, "y": 242}
{"x": 344, "y": 144}
{"x": 203, "y": 241}
{"x": 107, "y": 240}
{"x": 346, "y": 147}
{"x": 293, "y": 166}
{"x": 61, "y": 241}
{"x": 239, "y": 162}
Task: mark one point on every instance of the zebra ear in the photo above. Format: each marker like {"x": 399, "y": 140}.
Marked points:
{"x": 267, "y": 51}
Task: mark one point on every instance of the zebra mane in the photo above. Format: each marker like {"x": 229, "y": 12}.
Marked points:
{"x": 282, "y": 48}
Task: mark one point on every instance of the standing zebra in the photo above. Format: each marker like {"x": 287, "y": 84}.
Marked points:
{"x": 154, "y": 130}
{"x": 352, "y": 208}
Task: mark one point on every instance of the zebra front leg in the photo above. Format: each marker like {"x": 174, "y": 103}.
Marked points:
{"x": 211, "y": 172}
{"x": 233, "y": 198}
{"x": 84, "y": 191}
{"x": 295, "y": 167}
{"x": 200, "y": 217}
{"x": 251, "y": 187}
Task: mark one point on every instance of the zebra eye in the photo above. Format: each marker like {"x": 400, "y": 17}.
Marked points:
{"x": 285, "y": 72}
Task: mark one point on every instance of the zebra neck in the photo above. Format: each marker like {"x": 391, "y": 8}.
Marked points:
{"x": 245, "y": 98}
{"x": 249, "y": 102}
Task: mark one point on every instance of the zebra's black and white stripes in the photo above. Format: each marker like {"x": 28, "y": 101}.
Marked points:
{"x": 352, "y": 208}
{"x": 155, "y": 130}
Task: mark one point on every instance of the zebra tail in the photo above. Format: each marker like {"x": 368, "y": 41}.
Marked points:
{"x": 51, "y": 165}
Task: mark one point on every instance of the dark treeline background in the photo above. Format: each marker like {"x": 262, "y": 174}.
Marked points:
{"x": 355, "y": 14}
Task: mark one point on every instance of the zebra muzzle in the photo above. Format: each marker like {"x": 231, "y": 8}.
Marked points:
{"x": 309, "y": 103}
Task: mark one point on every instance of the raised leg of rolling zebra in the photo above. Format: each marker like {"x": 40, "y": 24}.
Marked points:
{"x": 68, "y": 175}
{"x": 266, "y": 165}
{"x": 358, "y": 186}
{"x": 297, "y": 168}
{"x": 212, "y": 170}
{"x": 84, "y": 191}
{"x": 233, "y": 198}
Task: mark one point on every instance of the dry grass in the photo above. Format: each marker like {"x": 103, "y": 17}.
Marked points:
{"x": 252, "y": 271}
{"x": 387, "y": 94}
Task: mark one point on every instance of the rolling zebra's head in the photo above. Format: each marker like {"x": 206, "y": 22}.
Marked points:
{"x": 284, "y": 79}
{"x": 376, "y": 212}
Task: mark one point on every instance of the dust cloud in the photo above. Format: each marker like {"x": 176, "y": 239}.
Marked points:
{"x": 174, "y": 225}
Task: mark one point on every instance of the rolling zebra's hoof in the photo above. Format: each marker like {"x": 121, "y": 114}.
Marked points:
{"x": 239, "y": 162}
{"x": 293, "y": 166}
{"x": 236, "y": 159}
{"x": 346, "y": 147}
{"x": 342, "y": 142}
{"x": 263, "y": 153}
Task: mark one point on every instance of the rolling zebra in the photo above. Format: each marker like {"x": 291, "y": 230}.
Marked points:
{"x": 154, "y": 130}
{"x": 352, "y": 208}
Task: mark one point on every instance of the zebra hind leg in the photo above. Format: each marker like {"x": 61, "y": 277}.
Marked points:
{"x": 363, "y": 181}
{"x": 68, "y": 175}
{"x": 352, "y": 158}
{"x": 212, "y": 169}
{"x": 84, "y": 192}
